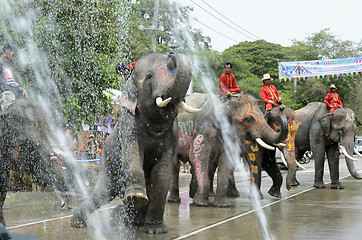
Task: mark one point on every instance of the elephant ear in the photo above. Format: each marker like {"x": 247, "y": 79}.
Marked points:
{"x": 129, "y": 95}
{"x": 325, "y": 123}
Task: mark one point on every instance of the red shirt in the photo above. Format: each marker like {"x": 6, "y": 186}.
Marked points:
{"x": 227, "y": 84}
{"x": 269, "y": 93}
{"x": 333, "y": 100}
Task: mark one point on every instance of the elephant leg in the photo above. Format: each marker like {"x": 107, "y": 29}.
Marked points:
{"x": 135, "y": 193}
{"x": 232, "y": 190}
{"x": 199, "y": 158}
{"x": 270, "y": 166}
{"x": 4, "y": 185}
{"x": 105, "y": 189}
{"x": 174, "y": 187}
{"x": 212, "y": 169}
{"x": 298, "y": 155}
{"x": 254, "y": 159}
{"x": 333, "y": 163}
{"x": 193, "y": 183}
{"x": 158, "y": 184}
{"x": 223, "y": 175}
{"x": 319, "y": 152}
{"x": 102, "y": 194}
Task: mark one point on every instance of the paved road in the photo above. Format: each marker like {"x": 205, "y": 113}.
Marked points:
{"x": 302, "y": 213}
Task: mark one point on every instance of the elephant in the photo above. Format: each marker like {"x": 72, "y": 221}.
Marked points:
{"x": 326, "y": 133}
{"x": 27, "y": 135}
{"x": 137, "y": 157}
{"x": 287, "y": 150}
{"x": 200, "y": 137}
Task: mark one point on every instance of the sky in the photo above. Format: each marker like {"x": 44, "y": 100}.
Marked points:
{"x": 278, "y": 21}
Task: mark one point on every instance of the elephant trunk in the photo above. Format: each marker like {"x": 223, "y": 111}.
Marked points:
{"x": 269, "y": 135}
{"x": 347, "y": 148}
{"x": 349, "y": 161}
{"x": 292, "y": 166}
{"x": 175, "y": 86}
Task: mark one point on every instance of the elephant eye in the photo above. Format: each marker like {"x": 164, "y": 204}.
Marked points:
{"x": 341, "y": 131}
{"x": 149, "y": 76}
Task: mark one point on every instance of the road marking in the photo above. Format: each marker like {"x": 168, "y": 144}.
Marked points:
{"x": 246, "y": 213}
{"x": 53, "y": 219}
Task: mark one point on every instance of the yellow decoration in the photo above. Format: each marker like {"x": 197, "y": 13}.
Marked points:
{"x": 252, "y": 180}
{"x": 252, "y": 157}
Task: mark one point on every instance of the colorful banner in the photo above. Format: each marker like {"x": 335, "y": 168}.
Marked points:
{"x": 319, "y": 68}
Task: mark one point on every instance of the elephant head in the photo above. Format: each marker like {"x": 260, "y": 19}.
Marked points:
{"x": 157, "y": 88}
{"x": 340, "y": 127}
{"x": 245, "y": 111}
{"x": 287, "y": 151}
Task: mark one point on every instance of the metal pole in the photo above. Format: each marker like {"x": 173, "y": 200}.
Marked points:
{"x": 154, "y": 26}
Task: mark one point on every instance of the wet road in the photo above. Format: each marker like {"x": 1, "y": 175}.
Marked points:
{"x": 302, "y": 213}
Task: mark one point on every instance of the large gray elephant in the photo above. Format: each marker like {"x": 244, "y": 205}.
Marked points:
{"x": 201, "y": 137}
{"x": 325, "y": 133}
{"x": 27, "y": 136}
{"x": 136, "y": 161}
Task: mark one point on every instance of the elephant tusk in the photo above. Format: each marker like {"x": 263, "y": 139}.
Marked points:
{"x": 280, "y": 144}
{"x": 263, "y": 144}
{"x": 283, "y": 159}
{"x": 162, "y": 103}
{"x": 187, "y": 108}
{"x": 299, "y": 165}
{"x": 345, "y": 153}
{"x": 356, "y": 152}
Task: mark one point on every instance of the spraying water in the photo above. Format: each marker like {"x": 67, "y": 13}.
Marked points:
{"x": 22, "y": 16}
{"x": 231, "y": 140}
{"x": 47, "y": 82}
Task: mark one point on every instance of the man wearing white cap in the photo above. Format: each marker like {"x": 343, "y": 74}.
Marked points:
{"x": 269, "y": 94}
{"x": 333, "y": 100}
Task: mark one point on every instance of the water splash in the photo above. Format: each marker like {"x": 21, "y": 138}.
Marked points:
{"x": 231, "y": 140}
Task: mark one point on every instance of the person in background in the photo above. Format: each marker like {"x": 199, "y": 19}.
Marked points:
{"x": 269, "y": 94}
{"x": 10, "y": 89}
{"x": 333, "y": 100}
{"x": 92, "y": 147}
{"x": 227, "y": 82}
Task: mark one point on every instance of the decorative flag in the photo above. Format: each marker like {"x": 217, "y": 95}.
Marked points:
{"x": 322, "y": 68}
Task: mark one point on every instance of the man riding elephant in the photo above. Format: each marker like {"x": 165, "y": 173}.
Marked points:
{"x": 333, "y": 100}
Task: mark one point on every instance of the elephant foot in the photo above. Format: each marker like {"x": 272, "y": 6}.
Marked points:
{"x": 136, "y": 196}
{"x": 337, "y": 186}
{"x": 222, "y": 202}
{"x": 233, "y": 193}
{"x": 295, "y": 183}
{"x": 155, "y": 228}
{"x": 173, "y": 198}
{"x": 319, "y": 185}
{"x": 275, "y": 192}
{"x": 211, "y": 193}
{"x": 201, "y": 202}
{"x": 78, "y": 221}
